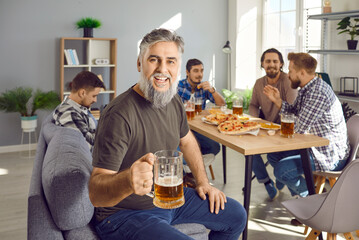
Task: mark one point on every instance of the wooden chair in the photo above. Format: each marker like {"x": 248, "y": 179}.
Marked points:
{"x": 208, "y": 160}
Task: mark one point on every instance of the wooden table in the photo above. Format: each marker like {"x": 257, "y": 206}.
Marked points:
{"x": 250, "y": 145}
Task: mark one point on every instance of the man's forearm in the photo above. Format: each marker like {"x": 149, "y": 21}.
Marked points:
{"x": 218, "y": 99}
{"x": 106, "y": 190}
{"x": 192, "y": 155}
{"x": 278, "y": 103}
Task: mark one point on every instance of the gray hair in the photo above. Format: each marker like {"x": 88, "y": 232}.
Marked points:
{"x": 160, "y": 35}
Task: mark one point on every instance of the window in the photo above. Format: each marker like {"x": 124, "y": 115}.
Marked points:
{"x": 285, "y": 27}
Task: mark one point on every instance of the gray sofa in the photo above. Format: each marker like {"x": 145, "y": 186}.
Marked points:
{"x": 58, "y": 202}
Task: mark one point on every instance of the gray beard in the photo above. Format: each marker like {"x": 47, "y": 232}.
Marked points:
{"x": 158, "y": 99}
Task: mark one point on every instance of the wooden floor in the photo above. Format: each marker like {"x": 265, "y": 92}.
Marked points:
{"x": 268, "y": 220}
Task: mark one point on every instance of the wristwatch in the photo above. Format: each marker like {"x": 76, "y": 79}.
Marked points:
{"x": 214, "y": 90}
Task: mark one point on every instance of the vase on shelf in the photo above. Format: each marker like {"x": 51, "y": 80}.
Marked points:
{"x": 88, "y": 32}
{"x": 352, "y": 44}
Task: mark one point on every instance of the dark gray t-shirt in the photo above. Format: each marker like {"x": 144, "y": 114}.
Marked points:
{"x": 131, "y": 127}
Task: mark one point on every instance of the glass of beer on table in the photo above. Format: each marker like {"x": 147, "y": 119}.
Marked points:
{"x": 198, "y": 105}
{"x": 287, "y": 125}
{"x": 168, "y": 179}
{"x": 190, "y": 106}
{"x": 237, "y": 106}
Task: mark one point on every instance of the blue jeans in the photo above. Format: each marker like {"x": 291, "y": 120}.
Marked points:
{"x": 288, "y": 169}
{"x": 206, "y": 144}
{"x": 259, "y": 169}
{"x": 156, "y": 223}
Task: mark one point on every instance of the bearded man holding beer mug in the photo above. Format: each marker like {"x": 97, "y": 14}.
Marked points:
{"x": 145, "y": 119}
{"x": 317, "y": 111}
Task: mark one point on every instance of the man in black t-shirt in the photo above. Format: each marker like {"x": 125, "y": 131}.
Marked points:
{"x": 146, "y": 118}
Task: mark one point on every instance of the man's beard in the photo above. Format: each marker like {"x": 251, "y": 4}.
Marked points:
{"x": 157, "y": 98}
{"x": 294, "y": 83}
{"x": 272, "y": 74}
{"x": 195, "y": 83}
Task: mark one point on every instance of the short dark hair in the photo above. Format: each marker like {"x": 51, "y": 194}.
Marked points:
{"x": 192, "y": 62}
{"x": 86, "y": 80}
{"x": 272, "y": 50}
{"x": 303, "y": 61}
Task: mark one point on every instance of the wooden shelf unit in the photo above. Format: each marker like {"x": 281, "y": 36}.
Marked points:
{"x": 89, "y": 49}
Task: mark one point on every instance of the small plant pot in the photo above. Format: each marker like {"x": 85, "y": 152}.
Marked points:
{"x": 28, "y": 124}
{"x": 88, "y": 32}
{"x": 352, "y": 44}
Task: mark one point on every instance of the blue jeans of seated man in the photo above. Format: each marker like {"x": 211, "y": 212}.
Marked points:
{"x": 206, "y": 144}
{"x": 288, "y": 169}
{"x": 156, "y": 223}
{"x": 259, "y": 169}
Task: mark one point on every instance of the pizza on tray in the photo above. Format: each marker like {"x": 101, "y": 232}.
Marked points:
{"x": 236, "y": 127}
{"x": 220, "y": 118}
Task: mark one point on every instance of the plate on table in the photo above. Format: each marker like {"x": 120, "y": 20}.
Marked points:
{"x": 208, "y": 122}
{"x": 270, "y": 126}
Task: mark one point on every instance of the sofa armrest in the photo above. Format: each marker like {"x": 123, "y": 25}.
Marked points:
{"x": 65, "y": 174}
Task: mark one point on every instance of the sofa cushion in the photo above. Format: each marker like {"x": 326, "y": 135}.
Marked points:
{"x": 65, "y": 174}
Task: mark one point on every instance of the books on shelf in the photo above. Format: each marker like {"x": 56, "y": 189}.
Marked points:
{"x": 96, "y": 113}
{"x": 67, "y": 57}
{"x": 71, "y": 57}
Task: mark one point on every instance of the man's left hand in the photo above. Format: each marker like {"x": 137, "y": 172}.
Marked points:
{"x": 216, "y": 198}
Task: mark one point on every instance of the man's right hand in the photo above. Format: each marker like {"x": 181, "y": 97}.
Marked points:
{"x": 141, "y": 177}
{"x": 273, "y": 94}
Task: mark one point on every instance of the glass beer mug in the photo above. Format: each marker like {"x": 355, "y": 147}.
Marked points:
{"x": 238, "y": 106}
{"x": 287, "y": 125}
{"x": 168, "y": 179}
{"x": 190, "y": 108}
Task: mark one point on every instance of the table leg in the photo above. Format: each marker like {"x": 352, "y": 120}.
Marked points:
{"x": 224, "y": 162}
{"x": 304, "y": 153}
{"x": 247, "y": 190}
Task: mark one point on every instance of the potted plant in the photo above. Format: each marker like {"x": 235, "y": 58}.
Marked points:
{"x": 88, "y": 24}
{"x": 229, "y": 96}
{"x": 352, "y": 28}
{"x": 247, "y": 96}
{"x": 26, "y": 102}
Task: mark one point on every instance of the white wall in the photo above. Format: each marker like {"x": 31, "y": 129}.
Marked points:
{"x": 30, "y": 33}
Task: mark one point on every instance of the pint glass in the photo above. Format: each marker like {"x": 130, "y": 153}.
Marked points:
{"x": 287, "y": 125}
{"x": 198, "y": 105}
{"x": 237, "y": 107}
{"x": 190, "y": 106}
{"x": 168, "y": 179}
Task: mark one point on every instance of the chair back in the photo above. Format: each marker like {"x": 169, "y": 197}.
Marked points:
{"x": 353, "y": 135}
{"x": 339, "y": 212}
{"x": 325, "y": 78}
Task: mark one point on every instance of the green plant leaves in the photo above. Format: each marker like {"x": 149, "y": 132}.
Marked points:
{"x": 17, "y": 100}
{"x": 346, "y": 25}
{"x": 88, "y": 22}
{"x": 44, "y": 100}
